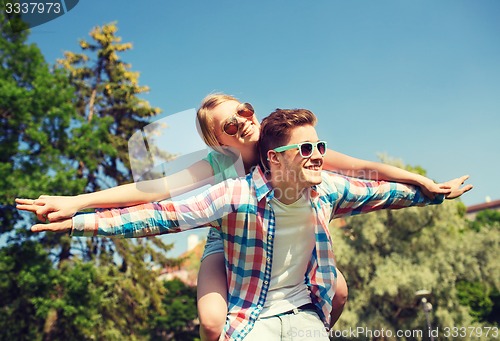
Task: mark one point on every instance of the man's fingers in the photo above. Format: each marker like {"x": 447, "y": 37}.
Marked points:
{"x": 60, "y": 227}
{"x": 39, "y": 228}
{"x": 55, "y": 216}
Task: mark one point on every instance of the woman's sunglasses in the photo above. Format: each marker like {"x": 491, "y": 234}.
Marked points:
{"x": 306, "y": 149}
{"x": 231, "y": 124}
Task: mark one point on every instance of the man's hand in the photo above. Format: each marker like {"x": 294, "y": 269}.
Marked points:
{"x": 456, "y": 188}
{"x": 59, "y": 227}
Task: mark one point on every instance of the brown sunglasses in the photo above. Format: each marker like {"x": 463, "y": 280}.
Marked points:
{"x": 231, "y": 124}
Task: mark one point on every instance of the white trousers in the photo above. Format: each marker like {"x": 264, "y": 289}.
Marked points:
{"x": 302, "y": 325}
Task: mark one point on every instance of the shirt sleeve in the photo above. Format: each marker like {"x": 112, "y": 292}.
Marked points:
{"x": 167, "y": 216}
{"x": 350, "y": 196}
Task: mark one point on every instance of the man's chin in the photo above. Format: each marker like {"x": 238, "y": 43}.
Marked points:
{"x": 314, "y": 178}
{"x": 317, "y": 182}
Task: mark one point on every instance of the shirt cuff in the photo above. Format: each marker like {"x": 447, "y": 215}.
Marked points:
{"x": 84, "y": 225}
{"x": 438, "y": 199}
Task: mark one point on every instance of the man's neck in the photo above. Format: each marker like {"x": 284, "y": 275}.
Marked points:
{"x": 285, "y": 192}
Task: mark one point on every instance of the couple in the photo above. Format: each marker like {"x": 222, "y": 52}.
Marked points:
{"x": 278, "y": 213}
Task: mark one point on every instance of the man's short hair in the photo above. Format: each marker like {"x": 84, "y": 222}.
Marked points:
{"x": 275, "y": 129}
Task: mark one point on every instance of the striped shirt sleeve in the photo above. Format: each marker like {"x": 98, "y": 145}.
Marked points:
{"x": 351, "y": 196}
{"x": 156, "y": 218}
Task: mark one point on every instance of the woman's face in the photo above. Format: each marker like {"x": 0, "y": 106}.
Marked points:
{"x": 248, "y": 131}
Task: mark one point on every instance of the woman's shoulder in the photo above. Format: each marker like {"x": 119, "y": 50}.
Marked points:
{"x": 225, "y": 166}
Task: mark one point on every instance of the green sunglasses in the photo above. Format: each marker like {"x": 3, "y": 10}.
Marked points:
{"x": 306, "y": 149}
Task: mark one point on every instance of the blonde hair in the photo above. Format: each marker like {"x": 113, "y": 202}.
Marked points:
{"x": 205, "y": 122}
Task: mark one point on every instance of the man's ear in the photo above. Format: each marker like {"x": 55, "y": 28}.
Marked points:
{"x": 272, "y": 157}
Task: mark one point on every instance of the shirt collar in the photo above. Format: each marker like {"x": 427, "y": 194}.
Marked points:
{"x": 263, "y": 186}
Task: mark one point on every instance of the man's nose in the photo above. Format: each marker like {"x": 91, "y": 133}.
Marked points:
{"x": 316, "y": 154}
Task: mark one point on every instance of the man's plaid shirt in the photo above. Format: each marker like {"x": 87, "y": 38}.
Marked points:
{"x": 240, "y": 209}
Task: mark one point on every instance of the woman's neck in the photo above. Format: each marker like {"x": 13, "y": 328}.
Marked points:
{"x": 249, "y": 157}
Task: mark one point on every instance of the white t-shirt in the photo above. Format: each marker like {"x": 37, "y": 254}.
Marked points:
{"x": 293, "y": 244}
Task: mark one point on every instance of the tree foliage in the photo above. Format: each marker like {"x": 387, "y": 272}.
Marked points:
{"x": 487, "y": 219}
{"x": 65, "y": 131}
{"x": 26, "y": 275}
{"x": 388, "y": 256}
{"x": 179, "y": 302}
{"x": 35, "y": 113}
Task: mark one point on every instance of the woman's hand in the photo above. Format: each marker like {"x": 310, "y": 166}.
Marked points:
{"x": 50, "y": 208}
{"x": 431, "y": 189}
{"x": 456, "y": 187}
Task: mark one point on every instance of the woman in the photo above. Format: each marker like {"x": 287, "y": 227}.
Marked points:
{"x": 232, "y": 130}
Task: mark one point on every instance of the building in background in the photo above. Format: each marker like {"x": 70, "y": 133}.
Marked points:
{"x": 487, "y": 205}
{"x": 187, "y": 271}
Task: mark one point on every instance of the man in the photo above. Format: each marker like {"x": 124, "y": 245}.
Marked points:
{"x": 274, "y": 222}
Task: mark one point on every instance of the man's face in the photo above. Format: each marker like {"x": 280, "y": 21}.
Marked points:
{"x": 295, "y": 170}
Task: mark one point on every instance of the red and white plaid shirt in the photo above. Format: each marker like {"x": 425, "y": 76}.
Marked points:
{"x": 240, "y": 209}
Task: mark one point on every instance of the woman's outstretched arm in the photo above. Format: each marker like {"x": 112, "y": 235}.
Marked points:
{"x": 54, "y": 208}
{"x": 350, "y": 166}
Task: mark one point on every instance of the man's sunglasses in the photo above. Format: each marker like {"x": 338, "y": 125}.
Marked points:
{"x": 306, "y": 149}
{"x": 231, "y": 124}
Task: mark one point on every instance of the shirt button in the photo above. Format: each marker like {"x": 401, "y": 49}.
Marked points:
{"x": 259, "y": 306}
{"x": 268, "y": 259}
{"x": 266, "y": 282}
{"x": 270, "y": 237}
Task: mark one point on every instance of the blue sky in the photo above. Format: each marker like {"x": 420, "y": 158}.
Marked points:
{"x": 417, "y": 80}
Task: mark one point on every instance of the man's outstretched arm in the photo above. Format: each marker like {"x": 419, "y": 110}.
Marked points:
{"x": 62, "y": 226}
{"x": 355, "y": 196}
{"x": 132, "y": 222}
{"x": 156, "y": 218}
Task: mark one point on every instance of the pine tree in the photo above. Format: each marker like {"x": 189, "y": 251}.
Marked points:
{"x": 35, "y": 113}
{"x": 64, "y": 131}
{"x": 110, "y": 111}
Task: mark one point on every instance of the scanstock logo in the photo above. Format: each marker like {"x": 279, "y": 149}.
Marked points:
{"x": 170, "y": 149}
{"x": 34, "y": 13}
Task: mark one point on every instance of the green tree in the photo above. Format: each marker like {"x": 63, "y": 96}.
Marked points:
{"x": 483, "y": 299}
{"x": 108, "y": 102}
{"x": 26, "y": 276}
{"x": 110, "y": 111}
{"x": 35, "y": 112}
{"x": 64, "y": 131}
{"x": 388, "y": 256}
{"x": 486, "y": 219}
{"x": 178, "y": 323}
{"x": 475, "y": 295}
